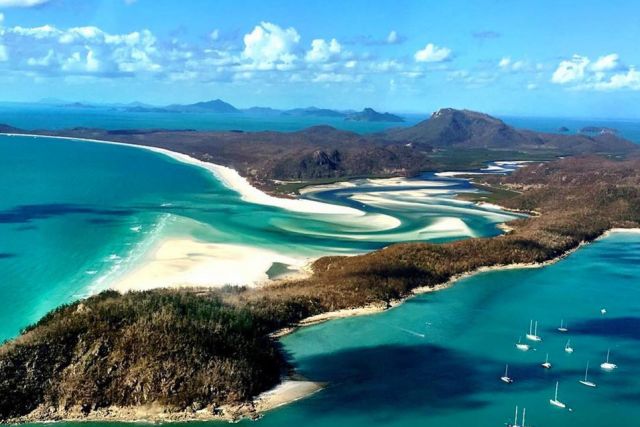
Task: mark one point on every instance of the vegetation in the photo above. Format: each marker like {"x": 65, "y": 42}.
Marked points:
{"x": 177, "y": 349}
{"x": 186, "y": 351}
{"x": 190, "y": 350}
{"x": 449, "y": 139}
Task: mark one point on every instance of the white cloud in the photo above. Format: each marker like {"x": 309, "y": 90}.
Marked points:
{"x": 628, "y": 80}
{"x": 507, "y": 64}
{"x": 504, "y": 62}
{"x": 323, "y": 51}
{"x": 43, "y": 61}
{"x": 336, "y": 78}
{"x": 22, "y": 3}
{"x": 214, "y": 35}
{"x": 81, "y": 63}
{"x": 4, "y": 56}
{"x": 571, "y": 70}
{"x": 386, "y": 66}
{"x": 606, "y": 63}
{"x": 82, "y": 50}
{"x": 518, "y": 65}
{"x": 269, "y": 46}
{"x": 532, "y": 86}
{"x": 606, "y": 73}
{"x": 1, "y": 18}
{"x": 432, "y": 53}
{"x": 393, "y": 38}
{"x": 81, "y": 33}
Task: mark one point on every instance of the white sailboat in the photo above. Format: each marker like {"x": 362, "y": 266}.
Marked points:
{"x": 522, "y": 346}
{"x": 533, "y": 332}
{"x": 555, "y": 401}
{"x": 506, "y": 378}
{"x": 607, "y": 366}
{"x": 567, "y": 347}
{"x": 546, "y": 364}
{"x": 515, "y": 420}
{"x": 603, "y": 311}
{"x": 563, "y": 327}
{"x": 586, "y": 381}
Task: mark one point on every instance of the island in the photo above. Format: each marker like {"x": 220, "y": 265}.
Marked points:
{"x": 371, "y": 115}
{"x": 194, "y": 354}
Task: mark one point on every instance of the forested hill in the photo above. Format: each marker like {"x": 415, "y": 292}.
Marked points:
{"x": 449, "y": 139}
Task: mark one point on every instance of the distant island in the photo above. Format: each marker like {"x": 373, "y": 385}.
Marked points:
{"x": 449, "y": 139}
{"x": 370, "y": 115}
{"x": 218, "y": 106}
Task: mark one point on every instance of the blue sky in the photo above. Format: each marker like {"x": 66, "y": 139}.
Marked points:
{"x": 538, "y": 58}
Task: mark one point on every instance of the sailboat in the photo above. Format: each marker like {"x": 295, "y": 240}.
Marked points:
{"x": 563, "y": 327}
{"x": 546, "y": 364}
{"x": 515, "y": 420}
{"x": 533, "y": 333}
{"x": 607, "y": 366}
{"x": 586, "y": 381}
{"x": 555, "y": 401}
{"x": 506, "y": 378}
{"x": 522, "y": 346}
{"x": 603, "y": 311}
{"x": 568, "y": 347}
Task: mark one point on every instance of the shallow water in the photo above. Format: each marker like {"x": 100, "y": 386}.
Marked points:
{"x": 436, "y": 360}
{"x": 75, "y": 216}
{"x": 381, "y": 371}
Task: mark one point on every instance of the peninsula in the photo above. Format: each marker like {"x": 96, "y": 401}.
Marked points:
{"x": 201, "y": 354}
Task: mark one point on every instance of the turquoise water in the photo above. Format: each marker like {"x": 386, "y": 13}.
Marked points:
{"x": 76, "y": 216}
{"x": 436, "y": 360}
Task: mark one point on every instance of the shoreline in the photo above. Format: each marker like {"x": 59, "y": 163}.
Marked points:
{"x": 229, "y": 177}
{"x": 376, "y": 308}
{"x": 293, "y": 387}
{"x": 282, "y": 393}
{"x": 182, "y": 262}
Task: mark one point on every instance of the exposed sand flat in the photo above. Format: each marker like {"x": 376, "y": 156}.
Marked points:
{"x": 186, "y": 262}
{"x": 373, "y": 183}
{"x": 287, "y": 391}
{"x": 451, "y": 174}
{"x": 494, "y": 167}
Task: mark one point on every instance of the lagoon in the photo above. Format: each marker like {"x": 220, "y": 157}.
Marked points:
{"x": 78, "y": 217}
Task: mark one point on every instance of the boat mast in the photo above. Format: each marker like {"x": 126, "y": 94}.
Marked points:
{"x": 586, "y": 371}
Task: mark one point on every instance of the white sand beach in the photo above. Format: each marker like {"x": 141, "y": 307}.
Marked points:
{"x": 186, "y": 262}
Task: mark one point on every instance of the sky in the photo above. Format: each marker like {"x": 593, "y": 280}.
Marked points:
{"x": 510, "y": 57}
